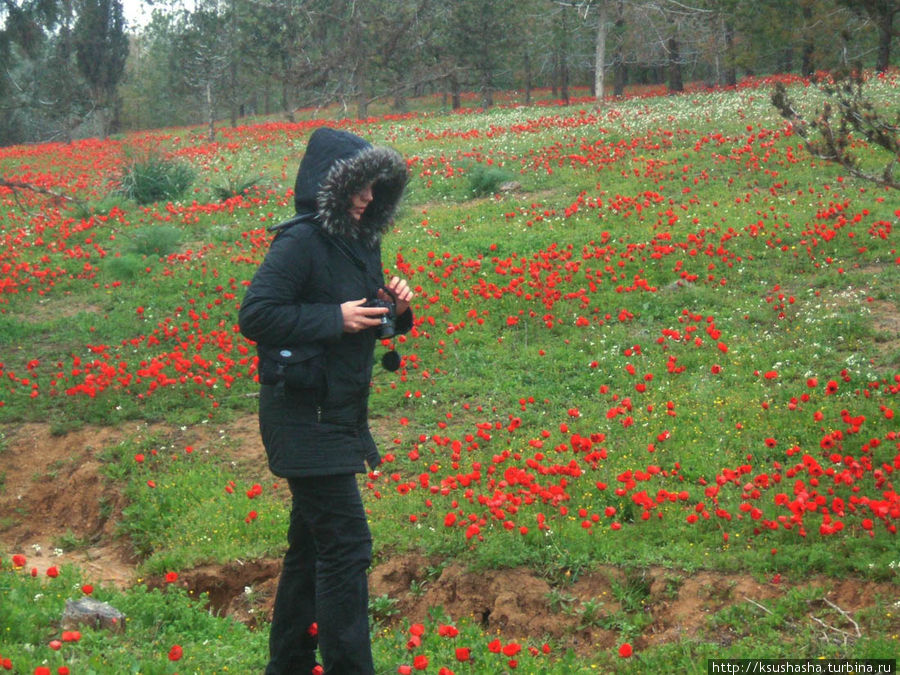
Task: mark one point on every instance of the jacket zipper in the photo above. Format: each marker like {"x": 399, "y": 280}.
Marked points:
{"x": 318, "y": 413}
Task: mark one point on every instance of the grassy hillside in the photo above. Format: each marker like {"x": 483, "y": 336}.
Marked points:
{"x": 653, "y": 340}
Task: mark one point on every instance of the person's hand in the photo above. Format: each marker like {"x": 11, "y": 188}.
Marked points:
{"x": 403, "y": 294}
{"x": 357, "y": 317}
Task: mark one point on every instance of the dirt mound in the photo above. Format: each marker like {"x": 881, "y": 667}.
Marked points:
{"x": 681, "y": 605}
{"x": 58, "y": 508}
{"x": 56, "y": 498}
{"x": 53, "y": 484}
{"x": 243, "y": 590}
{"x": 586, "y": 613}
{"x": 512, "y": 600}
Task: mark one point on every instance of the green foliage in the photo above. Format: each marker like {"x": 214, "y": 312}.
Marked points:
{"x": 383, "y": 608}
{"x": 590, "y": 613}
{"x": 485, "y": 180}
{"x": 102, "y": 207}
{"x": 632, "y": 591}
{"x": 234, "y": 186}
{"x": 101, "y": 45}
{"x": 125, "y": 267}
{"x": 559, "y": 600}
{"x": 101, "y": 49}
{"x": 156, "y": 179}
{"x": 154, "y": 240}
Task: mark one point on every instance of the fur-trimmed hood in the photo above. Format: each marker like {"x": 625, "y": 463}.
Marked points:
{"x": 337, "y": 164}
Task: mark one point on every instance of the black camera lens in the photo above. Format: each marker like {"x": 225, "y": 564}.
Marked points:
{"x": 385, "y": 329}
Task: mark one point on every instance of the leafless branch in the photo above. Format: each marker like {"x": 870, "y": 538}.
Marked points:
{"x": 16, "y": 186}
{"x": 845, "y": 116}
{"x": 845, "y": 615}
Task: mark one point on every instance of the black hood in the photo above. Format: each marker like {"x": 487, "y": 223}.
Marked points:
{"x": 338, "y": 164}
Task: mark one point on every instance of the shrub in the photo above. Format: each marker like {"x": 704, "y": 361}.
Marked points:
{"x": 155, "y": 240}
{"x": 234, "y": 186}
{"x": 87, "y": 209}
{"x": 486, "y": 180}
{"x": 124, "y": 267}
{"x": 155, "y": 179}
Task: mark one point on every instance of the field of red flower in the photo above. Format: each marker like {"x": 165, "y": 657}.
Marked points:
{"x": 651, "y": 388}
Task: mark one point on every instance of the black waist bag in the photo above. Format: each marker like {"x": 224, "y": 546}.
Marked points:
{"x": 300, "y": 367}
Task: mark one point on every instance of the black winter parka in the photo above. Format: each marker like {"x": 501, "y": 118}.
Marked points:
{"x": 318, "y": 260}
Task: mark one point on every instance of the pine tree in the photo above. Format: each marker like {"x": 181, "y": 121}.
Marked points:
{"x": 101, "y": 48}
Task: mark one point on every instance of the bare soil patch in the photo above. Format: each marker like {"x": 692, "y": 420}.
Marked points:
{"x": 53, "y": 491}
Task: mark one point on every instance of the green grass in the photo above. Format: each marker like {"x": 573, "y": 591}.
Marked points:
{"x": 665, "y": 282}
{"x": 186, "y": 509}
{"x": 157, "y": 620}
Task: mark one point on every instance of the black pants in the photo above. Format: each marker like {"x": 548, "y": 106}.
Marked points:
{"x": 324, "y": 581}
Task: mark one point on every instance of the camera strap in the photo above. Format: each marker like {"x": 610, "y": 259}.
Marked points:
{"x": 351, "y": 255}
{"x": 346, "y": 250}
{"x": 290, "y": 222}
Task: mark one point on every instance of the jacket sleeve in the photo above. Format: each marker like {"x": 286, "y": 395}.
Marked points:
{"x": 271, "y": 312}
{"x": 404, "y": 322}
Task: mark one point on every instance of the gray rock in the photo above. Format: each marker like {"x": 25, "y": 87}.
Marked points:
{"x": 93, "y": 613}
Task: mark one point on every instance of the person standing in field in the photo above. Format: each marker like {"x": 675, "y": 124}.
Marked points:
{"x": 310, "y": 310}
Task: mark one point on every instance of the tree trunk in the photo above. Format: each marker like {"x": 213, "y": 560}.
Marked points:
{"x": 100, "y": 111}
{"x": 555, "y": 78}
{"x": 115, "y": 122}
{"x": 619, "y": 78}
{"x": 600, "y": 52}
{"x": 676, "y": 83}
{"x": 885, "y": 35}
{"x": 487, "y": 93}
{"x": 730, "y": 73}
{"x": 286, "y": 100}
{"x": 211, "y": 125}
{"x": 618, "y": 56}
{"x": 102, "y": 124}
{"x": 528, "y": 78}
{"x": 455, "y": 92}
{"x": 233, "y": 82}
{"x": 361, "y": 72}
{"x": 809, "y": 66}
{"x": 362, "y": 92}
{"x": 787, "y": 60}
{"x": 400, "y": 99}
{"x": 232, "y": 64}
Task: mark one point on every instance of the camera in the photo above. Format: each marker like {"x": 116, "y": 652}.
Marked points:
{"x": 387, "y": 328}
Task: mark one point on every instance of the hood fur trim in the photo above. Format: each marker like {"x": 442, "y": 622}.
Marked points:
{"x": 386, "y": 169}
